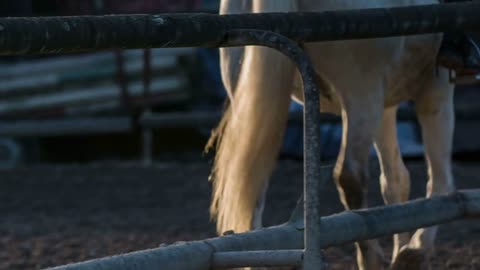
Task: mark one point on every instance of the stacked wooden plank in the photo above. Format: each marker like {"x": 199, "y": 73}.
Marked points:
{"x": 86, "y": 84}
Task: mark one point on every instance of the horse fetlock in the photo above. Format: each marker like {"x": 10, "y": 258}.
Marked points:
{"x": 411, "y": 258}
{"x": 395, "y": 189}
{"x": 435, "y": 187}
{"x": 399, "y": 241}
{"x": 352, "y": 187}
{"x": 424, "y": 238}
{"x": 370, "y": 256}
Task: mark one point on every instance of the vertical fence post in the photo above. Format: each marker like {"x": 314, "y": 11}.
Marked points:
{"x": 312, "y": 174}
{"x": 312, "y": 182}
{"x": 147, "y": 132}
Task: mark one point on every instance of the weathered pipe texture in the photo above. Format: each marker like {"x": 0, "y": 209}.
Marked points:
{"x": 338, "y": 229}
{"x": 93, "y": 33}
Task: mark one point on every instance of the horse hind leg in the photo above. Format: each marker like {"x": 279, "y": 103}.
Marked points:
{"x": 394, "y": 178}
{"x": 436, "y": 116}
{"x": 360, "y": 122}
{"x": 257, "y": 221}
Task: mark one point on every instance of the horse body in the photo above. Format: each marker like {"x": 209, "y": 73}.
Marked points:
{"x": 365, "y": 80}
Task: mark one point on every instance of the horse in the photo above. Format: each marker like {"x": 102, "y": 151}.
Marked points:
{"x": 363, "y": 81}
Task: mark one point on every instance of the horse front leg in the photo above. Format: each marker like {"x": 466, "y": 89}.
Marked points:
{"x": 361, "y": 118}
{"x": 394, "y": 178}
{"x": 436, "y": 116}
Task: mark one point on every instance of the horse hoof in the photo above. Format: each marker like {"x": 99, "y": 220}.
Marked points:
{"x": 411, "y": 259}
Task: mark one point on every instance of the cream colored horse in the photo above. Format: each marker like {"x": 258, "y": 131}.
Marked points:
{"x": 367, "y": 79}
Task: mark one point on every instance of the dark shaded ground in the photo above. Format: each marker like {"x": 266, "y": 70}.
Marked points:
{"x": 52, "y": 215}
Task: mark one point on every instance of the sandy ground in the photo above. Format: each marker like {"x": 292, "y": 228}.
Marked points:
{"x": 53, "y": 215}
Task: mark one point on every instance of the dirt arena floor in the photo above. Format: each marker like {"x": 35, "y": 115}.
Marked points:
{"x": 53, "y": 215}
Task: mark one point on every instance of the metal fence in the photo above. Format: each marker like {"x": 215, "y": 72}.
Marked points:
{"x": 299, "y": 241}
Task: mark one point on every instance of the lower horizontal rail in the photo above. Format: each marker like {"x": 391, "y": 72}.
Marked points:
{"x": 338, "y": 229}
{"x": 269, "y": 258}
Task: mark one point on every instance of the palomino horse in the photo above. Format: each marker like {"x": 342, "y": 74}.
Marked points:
{"x": 365, "y": 81}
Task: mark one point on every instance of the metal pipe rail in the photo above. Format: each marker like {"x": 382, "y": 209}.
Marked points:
{"x": 275, "y": 30}
{"x": 268, "y": 258}
{"x": 312, "y": 257}
{"x": 92, "y": 33}
{"x": 338, "y": 229}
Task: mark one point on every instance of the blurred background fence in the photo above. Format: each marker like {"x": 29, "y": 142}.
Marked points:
{"x": 78, "y": 107}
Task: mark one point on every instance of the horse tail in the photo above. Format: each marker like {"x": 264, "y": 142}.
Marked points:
{"x": 250, "y": 134}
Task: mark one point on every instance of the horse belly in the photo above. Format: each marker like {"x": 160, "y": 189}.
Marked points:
{"x": 402, "y": 65}
{"x": 413, "y": 70}
{"x": 399, "y": 67}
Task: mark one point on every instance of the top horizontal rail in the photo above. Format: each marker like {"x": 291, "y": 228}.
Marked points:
{"x": 37, "y": 35}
